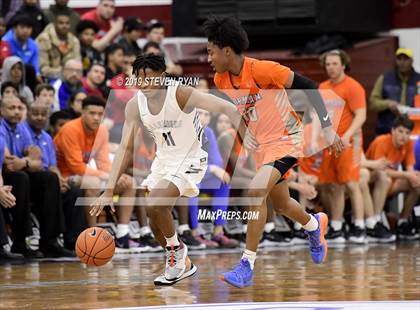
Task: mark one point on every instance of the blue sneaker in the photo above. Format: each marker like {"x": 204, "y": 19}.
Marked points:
{"x": 317, "y": 243}
{"x": 240, "y": 276}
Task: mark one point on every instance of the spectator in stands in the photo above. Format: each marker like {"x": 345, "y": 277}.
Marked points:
{"x": 31, "y": 8}
{"x": 86, "y": 32}
{"x": 24, "y": 171}
{"x": 7, "y": 201}
{"x": 20, "y": 42}
{"x": 75, "y": 105}
{"x": 57, "y": 45}
{"x": 109, "y": 28}
{"x": 57, "y": 120}
{"x": 114, "y": 60}
{"x": 342, "y": 173}
{"x": 152, "y": 47}
{"x": 156, "y": 33}
{"x": 393, "y": 90}
{"x": 45, "y": 94}
{"x": 9, "y": 89}
{"x": 397, "y": 148}
{"x": 93, "y": 82}
{"x": 14, "y": 71}
{"x": 74, "y": 217}
{"x": 2, "y": 27}
{"x": 9, "y": 8}
{"x": 68, "y": 84}
{"x": 61, "y": 6}
{"x": 82, "y": 140}
{"x": 133, "y": 30}
{"x": 216, "y": 183}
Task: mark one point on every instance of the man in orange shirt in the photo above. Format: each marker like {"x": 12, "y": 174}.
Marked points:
{"x": 78, "y": 142}
{"x": 257, "y": 88}
{"x": 343, "y": 172}
{"x": 398, "y": 149}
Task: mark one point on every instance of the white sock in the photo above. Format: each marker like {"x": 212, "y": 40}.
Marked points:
{"x": 336, "y": 225}
{"x": 371, "y": 222}
{"x": 378, "y": 217}
{"x": 122, "y": 230}
{"x": 269, "y": 227}
{"x": 250, "y": 256}
{"x": 402, "y": 221}
{"x": 183, "y": 228}
{"x": 244, "y": 228}
{"x": 311, "y": 225}
{"x": 145, "y": 230}
{"x": 172, "y": 241}
{"x": 360, "y": 223}
{"x": 297, "y": 226}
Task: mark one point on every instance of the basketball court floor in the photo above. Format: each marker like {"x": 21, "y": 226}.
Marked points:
{"x": 355, "y": 277}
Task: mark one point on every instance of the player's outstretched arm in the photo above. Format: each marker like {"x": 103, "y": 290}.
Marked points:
{"x": 189, "y": 98}
{"x": 122, "y": 157}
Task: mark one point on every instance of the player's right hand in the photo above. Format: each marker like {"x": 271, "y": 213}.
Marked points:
{"x": 104, "y": 200}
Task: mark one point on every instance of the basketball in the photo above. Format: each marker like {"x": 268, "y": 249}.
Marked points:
{"x": 95, "y": 246}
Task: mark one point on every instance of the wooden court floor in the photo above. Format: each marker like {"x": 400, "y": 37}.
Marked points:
{"x": 353, "y": 273}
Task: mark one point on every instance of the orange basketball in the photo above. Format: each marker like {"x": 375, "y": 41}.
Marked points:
{"x": 95, "y": 246}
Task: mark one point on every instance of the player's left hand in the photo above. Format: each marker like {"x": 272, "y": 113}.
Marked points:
{"x": 335, "y": 142}
{"x": 104, "y": 200}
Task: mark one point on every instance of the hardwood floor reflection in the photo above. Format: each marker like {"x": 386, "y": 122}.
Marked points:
{"x": 353, "y": 273}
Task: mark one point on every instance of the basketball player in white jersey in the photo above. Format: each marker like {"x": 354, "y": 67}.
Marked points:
{"x": 169, "y": 114}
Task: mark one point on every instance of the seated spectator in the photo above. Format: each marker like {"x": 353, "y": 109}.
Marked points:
{"x": 2, "y": 26}
{"x": 133, "y": 30}
{"x": 14, "y": 71}
{"x": 68, "y": 84}
{"x": 24, "y": 171}
{"x": 74, "y": 217}
{"x": 109, "y": 28}
{"x": 31, "y": 8}
{"x": 114, "y": 61}
{"x": 57, "y": 120}
{"x": 397, "y": 148}
{"x": 152, "y": 47}
{"x": 9, "y": 88}
{"x": 75, "y": 105}
{"x": 61, "y": 6}
{"x": 7, "y": 202}
{"x": 4, "y": 45}
{"x": 86, "y": 31}
{"x": 21, "y": 44}
{"x": 57, "y": 45}
{"x": 82, "y": 140}
{"x": 93, "y": 82}
{"x": 156, "y": 33}
{"x": 394, "y": 89}
{"x": 45, "y": 94}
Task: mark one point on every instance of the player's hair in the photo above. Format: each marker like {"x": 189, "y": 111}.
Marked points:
{"x": 344, "y": 57}
{"x": 151, "y": 61}
{"x": 7, "y": 84}
{"x": 56, "y": 116}
{"x": 39, "y": 88}
{"x": 93, "y": 100}
{"x": 403, "y": 121}
{"x": 226, "y": 31}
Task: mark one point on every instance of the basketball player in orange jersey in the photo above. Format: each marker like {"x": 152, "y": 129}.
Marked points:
{"x": 342, "y": 173}
{"x": 277, "y": 131}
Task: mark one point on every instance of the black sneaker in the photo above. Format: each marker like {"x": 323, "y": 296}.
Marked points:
{"x": 55, "y": 250}
{"x": 299, "y": 237}
{"x": 151, "y": 242}
{"x": 190, "y": 241}
{"x": 26, "y": 251}
{"x": 9, "y": 257}
{"x": 273, "y": 239}
{"x": 407, "y": 232}
{"x": 122, "y": 245}
{"x": 357, "y": 235}
{"x": 380, "y": 234}
{"x": 335, "y": 236}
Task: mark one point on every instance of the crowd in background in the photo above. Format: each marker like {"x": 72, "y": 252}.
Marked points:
{"x": 58, "y": 136}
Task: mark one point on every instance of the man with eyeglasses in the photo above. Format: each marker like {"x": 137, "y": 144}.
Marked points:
{"x": 69, "y": 84}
